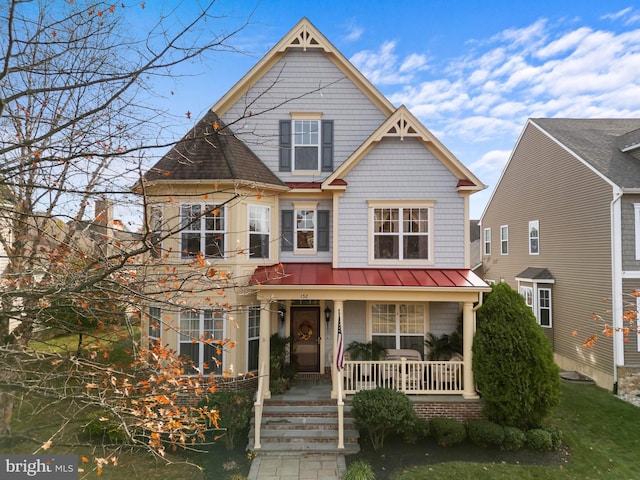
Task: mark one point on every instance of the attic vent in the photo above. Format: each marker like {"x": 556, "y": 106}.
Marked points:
{"x": 305, "y": 39}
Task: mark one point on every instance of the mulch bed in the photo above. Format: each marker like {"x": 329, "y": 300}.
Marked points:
{"x": 396, "y": 455}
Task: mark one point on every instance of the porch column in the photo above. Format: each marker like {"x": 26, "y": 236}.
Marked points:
{"x": 468, "y": 329}
{"x": 338, "y": 306}
{"x": 264, "y": 352}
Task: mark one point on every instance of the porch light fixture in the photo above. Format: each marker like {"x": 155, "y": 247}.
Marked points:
{"x": 327, "y": 315}
{"x": 282, "y": 311}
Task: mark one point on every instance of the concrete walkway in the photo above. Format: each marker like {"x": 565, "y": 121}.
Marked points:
{"x": 293, "y": 467}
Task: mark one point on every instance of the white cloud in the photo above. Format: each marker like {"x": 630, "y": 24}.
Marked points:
{"x": 616, "y": 15}
{"x": 383, "y": 67}
{"x": 414, "y": 62}
{"x": 564, "y": 43}
{"x": 492, "y": 161}
{"x": 354, "y": 33}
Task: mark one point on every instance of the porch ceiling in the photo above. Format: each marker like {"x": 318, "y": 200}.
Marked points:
{"x": 318, "y": 275}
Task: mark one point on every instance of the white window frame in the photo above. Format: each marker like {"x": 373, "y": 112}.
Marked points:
{"x": 156, "y": 216}
{"x": 299, "y": 207}
{"x": 201, "y": 334}
{"x": 541, "y": 307}
{"x": 253, "y": 333}
{"x": 534, "y": 227}
{"x": 304, "y": 138}
{"x": 154, "y": 316}
{"x": 487, "y": 241}
{"x": 400, "y": 206}
{"x": 400, "y": 329}
{"x": 504, "y": 240}
{"x": 199, "y": 226}
{"x": 254, "y": 223}
{"x": 636, "y": 210}
{"x": 527, "y": 293}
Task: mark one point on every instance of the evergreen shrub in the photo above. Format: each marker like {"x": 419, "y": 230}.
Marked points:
{"x": 513, "y": 362}
{"x": 448, "y": 432}
{"x": 485, "y": 433}
{"x": 382, "y": 411}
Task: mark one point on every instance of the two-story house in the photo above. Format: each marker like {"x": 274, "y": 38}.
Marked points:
{"x": 328, "y": 207}
{"x": 563, "y": 227}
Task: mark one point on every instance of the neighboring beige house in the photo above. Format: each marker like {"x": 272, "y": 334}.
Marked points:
{"x": 325, "y": 203}
{"x": 563, "y": 228}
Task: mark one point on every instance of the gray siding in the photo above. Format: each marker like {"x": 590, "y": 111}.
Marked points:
{"x": 631, "y": 354}
{"x": 543, "y": 182}
{"x": 401, "y": 170}
{"x": 293, "y": 83}
{"x": 443, "y": 317}
{"x": 305, "y": 257}
{"x": 629, "y": 262}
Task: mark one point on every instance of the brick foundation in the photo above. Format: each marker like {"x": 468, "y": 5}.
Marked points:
{"x": 457, "y": 408}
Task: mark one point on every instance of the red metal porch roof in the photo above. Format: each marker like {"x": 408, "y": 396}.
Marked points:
{"x": 323, "y": 274}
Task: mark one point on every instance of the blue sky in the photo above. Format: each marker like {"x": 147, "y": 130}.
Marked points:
{"x": 471, "y": 71}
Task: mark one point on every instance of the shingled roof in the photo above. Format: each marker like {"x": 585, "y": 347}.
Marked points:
{"x": 599, "y": 142}
{"x": 211, "y": 151}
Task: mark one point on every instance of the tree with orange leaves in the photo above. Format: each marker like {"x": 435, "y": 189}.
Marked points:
{"x": 75, "y": 85}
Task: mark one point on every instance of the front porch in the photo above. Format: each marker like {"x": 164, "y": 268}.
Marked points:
{"x": 322, "y": 309}
{"x": 412, "y": 377}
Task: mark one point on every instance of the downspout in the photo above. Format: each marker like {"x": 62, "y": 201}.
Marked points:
{"x": 616, "y": 284}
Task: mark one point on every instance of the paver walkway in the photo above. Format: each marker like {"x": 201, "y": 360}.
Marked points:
{"x": 293, "y": 467}
{"x": 304, "y": 466}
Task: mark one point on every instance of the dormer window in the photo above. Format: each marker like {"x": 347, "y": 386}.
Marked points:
{"x": 306, "y": 143}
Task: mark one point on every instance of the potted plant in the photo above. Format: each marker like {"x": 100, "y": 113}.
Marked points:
{"x": 366, "y": 351}
{"x": 372, "y": 351}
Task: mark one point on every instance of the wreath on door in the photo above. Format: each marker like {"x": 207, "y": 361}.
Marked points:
{"x": 305, "y": 331}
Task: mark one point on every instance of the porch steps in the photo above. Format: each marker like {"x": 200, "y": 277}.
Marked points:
{"x": 292, "y": 425}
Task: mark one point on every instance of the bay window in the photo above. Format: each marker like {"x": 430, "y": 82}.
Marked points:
{"x": 259, "y": 231}
{"x": 201, "y": 334}
{"x": 203, "y": 230}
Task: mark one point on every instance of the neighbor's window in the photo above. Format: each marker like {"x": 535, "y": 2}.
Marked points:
{"x": 203, "y": 230}
{"x": 534, "y": 237}
{"x": 401, "y": 233}
{"x": 527, "y": 293}
{"x": 259, "y": 231}
{"x": 504, "y": 239}
{"x": 201, "y": 332}
{"x": 544, "y": 307}
{"x": 398, "y": 325}
{"x": 636, "y": 209}
{"x": 487, "y": 241}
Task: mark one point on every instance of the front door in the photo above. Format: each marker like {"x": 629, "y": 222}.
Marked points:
{"x": 305, "y": 324}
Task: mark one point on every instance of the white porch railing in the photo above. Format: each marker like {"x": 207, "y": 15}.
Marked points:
{"x": 259, "y": 402}
{"x": 340, "y": 411}
{"x": 408, "y": 376}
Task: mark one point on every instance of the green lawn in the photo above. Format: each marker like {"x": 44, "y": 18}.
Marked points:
{"x": 601, "y": 431}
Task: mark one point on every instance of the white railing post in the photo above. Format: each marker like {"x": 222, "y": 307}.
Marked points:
{"x": 258, "y": 408}
{"x": 340, "y": 412}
